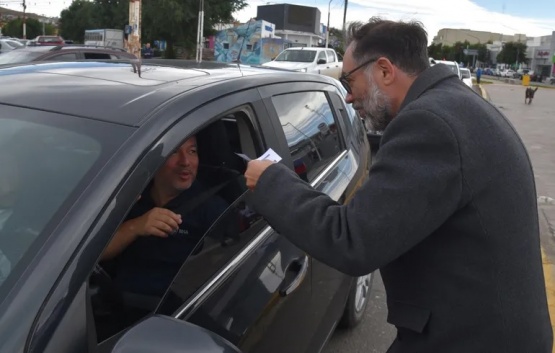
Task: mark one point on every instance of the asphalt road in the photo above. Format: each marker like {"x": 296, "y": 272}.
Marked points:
{"x": 535, "y": 124}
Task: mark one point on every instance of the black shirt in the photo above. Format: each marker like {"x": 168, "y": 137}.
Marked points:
{"x": 149, "y": 264}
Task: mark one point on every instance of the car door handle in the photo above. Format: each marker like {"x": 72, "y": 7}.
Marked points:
{"x": 297, "y": 269}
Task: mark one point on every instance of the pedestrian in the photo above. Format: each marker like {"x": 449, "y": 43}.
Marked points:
{"x": 478, "y": 75}
{"x": 448, "y": 214}
{"x": 147, "y": 51}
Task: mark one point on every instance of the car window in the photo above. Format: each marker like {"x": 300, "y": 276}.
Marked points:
{"x": 41, "y": 166}
{"x": 297, "y": 55}
{"x": 331, "y": 56}
{"x": 18, "y": 56}
{"x": 322, "y": 55}
{"x": 63, "y": 57}
{"x": 154, "y": 272}
{"x": 465, "y": 73}
{"x": 310, "y": 129}
{"x": 96, "y": 56}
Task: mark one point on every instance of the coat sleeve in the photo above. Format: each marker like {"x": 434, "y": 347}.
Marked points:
{"x": 415, "y": 184}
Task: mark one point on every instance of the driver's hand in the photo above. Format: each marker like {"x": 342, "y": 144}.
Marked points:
{"x": 159, "y": 222}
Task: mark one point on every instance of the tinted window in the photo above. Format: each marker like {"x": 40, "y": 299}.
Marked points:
{"x": 96, "y": 56}
{"x": 40, "y": 167}
{"x": 310, "y": 129}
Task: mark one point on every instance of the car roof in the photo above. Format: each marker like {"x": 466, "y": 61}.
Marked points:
{"x": 114, "y": 91}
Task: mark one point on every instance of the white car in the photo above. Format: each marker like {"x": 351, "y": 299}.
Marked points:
{"x": 466, "y": 77}
{"x": 323, "y": 61}
{"x": 451, "y": 64}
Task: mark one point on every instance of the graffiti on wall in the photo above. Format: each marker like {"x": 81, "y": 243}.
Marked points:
{"x": 245, "y": 41}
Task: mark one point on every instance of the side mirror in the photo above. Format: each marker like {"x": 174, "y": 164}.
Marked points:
{"x": 321, "y": 61}
{"x": 165, "y": 334}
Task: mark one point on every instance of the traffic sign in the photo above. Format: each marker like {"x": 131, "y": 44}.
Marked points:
{"x": 470, "y": 51}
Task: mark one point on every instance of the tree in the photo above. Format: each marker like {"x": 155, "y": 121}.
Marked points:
{"x": 112, "y": 13}
{"x": 77, "y": 18}
{"x": 512, "y": 53}
{"x": 176, "y": 20}
{"x": 14, "y": 28}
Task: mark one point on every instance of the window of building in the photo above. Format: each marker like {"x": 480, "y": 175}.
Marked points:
{"x": 310, "y": 129}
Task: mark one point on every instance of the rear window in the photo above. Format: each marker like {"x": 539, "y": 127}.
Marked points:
{"x": 18, "y": 56}
{"x": 44, "y": 164}
{"x": 50, "y": 39}
{"x": 465, "y": 73}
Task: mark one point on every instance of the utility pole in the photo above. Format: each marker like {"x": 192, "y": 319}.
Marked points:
{"x": 328, "y": 27}
{"x": 345, "y": 16}
{"x": 134, "y": 38}
{"x": 200, "y": 31}
{"x": 24, "y": 21}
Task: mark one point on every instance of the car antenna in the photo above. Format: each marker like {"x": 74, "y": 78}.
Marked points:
{"x": 238, "y": 61}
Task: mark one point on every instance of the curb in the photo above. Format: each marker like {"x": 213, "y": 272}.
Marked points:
{"x": 484, "y": 92}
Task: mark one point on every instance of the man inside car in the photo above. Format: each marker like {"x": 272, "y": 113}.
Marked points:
{"x": 163, "y": 227}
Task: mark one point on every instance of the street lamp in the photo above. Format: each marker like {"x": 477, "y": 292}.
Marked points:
{"x": 328, "y": 27}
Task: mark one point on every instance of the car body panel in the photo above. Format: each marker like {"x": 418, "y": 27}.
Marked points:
{"x": 50, "y": 300}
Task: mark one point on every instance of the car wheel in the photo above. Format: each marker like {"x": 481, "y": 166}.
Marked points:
{"x": 357, "y": 302}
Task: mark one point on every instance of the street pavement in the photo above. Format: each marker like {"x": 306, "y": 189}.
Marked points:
{"x": 535, "y": 123}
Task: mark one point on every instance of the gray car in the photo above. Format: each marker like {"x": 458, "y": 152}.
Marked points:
{"x": 80, "y": 141}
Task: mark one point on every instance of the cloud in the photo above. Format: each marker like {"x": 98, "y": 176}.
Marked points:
{"x": 434, "y": 14}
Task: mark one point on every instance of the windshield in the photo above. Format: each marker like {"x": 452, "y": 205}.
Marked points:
{"x": 42, "y": 169}
{"x": 300, "y": 56}
{"x": 18, "y": 56}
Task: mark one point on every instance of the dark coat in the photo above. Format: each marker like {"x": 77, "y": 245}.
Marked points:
{"x": 448, "y": 215}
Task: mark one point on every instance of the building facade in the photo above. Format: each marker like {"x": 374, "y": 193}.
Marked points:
{"x": 541, "y": 53}
{"x": 449, "y": 36}
{"x": 297, "y": 25}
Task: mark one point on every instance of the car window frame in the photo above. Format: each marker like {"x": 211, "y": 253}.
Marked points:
{"x": 140, "y": 175}
{"x": 267, "y": 92}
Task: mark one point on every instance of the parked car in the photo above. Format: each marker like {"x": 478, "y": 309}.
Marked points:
{"x": 507, "y": 73}
{"x": 7, "y": 45}
{"x": 82, "y": 140}
{"x": 63, "y": 53}
{"x": 49, "y": 40}
{"x": 451, "y": 64}
{"x": 323, "y": 61}
{"x": 466, "y": 77}
{"x": 489, "y": 72}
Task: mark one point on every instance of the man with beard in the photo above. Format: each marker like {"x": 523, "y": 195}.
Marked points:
{"x": 161, "y": 230}
{"x": 449, "y": 212}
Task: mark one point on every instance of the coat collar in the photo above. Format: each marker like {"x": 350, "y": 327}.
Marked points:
{"x": 426, "y": 80}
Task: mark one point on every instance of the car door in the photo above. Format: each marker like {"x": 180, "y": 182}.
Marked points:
{"x": 251, "y": 286}
{"x": 333, "y": 63}
{"x": 324, "y": 68}
{"x": 315, "y": 143}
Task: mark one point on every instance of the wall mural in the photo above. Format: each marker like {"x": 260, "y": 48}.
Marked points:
{"x": 246, "y": 39}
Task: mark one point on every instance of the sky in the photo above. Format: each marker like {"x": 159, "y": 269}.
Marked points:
{"x": 533, "y": 17}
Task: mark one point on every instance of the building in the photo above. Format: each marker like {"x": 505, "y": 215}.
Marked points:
{"x": 449, "y": 36}
{"x": 297, "y": 25}
{"x": 541, "y": 53}
{"x": 252, "y": 43}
